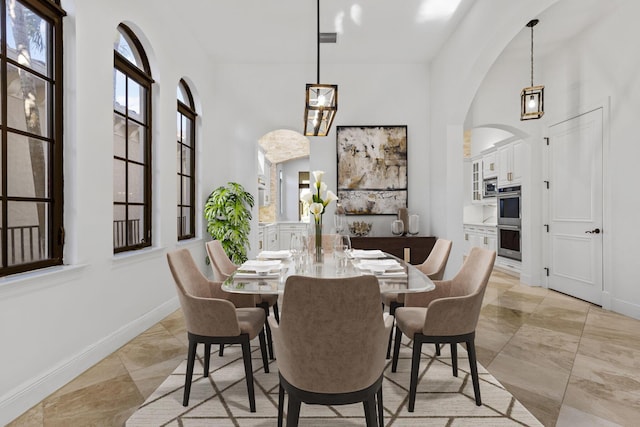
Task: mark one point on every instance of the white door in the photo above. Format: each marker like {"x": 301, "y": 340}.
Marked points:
{"x": 575, "y": 207}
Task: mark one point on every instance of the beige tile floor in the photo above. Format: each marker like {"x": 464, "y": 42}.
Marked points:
{"x": 569, "y": 362}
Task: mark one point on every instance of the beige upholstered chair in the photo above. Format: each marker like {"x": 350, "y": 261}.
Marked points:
{"x": 212, "y": 319}
{"x": 330, "y": 344}
{"x": 223, "y": 267}
{"x": 433, "y": 267}
{"x": 448, "y": 314}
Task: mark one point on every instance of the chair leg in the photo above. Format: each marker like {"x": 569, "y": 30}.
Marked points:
{"x": 370, "y": 411}
{"x": 280, "y": 404}
{"x": 380, "y": 408}
{"x": 454, "y": 358}
{"x": 415, "y": 367}
{"x": 471, "y": 351}
{"x": 293, "y": 410}
{"x": 207, "y": 359}
{"x": 248, "y": 372}
{"x": 269, "y": 340}
{"x": 392, "y": 312}
{"x": 221, "y": 351}
{"x": 276, "y": 312}
{"x": 263, "y": 350}
{"x": 191, "y": 358}
{"x": 437, "y": 349}
{"x": 396, "y": 349}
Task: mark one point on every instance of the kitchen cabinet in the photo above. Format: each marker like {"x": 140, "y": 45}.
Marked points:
{"x": 287, "y": 229}
{"x": 476, "y": 180}
{"x": 268, "y": 237}
{"x": 483, "y": 236}
{"x": 510, "y": 161}
{"x": 489, "y": 165}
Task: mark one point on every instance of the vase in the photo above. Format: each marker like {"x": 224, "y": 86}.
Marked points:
{"x": 318, "y": 242}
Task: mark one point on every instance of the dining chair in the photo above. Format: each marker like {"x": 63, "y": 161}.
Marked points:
{"x": 448, "y": 314}
{"x": 223, "y": 267}
{"x": 212, "y": 319}
{"x": 330, "y": 344}
{"x": 433, "y": 267}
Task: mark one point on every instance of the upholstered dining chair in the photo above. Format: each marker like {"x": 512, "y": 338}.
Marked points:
{"x": 223, "y": 267}
{"x": 212, "y": 319}
{"x": 330, "y": 344}
{"x": 448, "y": 314}
{"x": 433, "y": 267}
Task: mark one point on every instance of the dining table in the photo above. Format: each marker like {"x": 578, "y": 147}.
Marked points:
{"x": 269, "y": 272}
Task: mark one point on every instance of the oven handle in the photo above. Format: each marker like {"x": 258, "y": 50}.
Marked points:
{"x": 509, "y": 227}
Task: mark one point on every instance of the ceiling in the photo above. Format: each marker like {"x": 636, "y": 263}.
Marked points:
{"x": 371, "y": 31}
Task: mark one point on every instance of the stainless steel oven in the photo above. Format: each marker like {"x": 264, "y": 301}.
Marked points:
{"x": 509, "y": 242}
{"x": 509, "y": 206}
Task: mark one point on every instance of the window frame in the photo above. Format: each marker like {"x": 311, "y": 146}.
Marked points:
{"x": 53, "y": 14}
{"x": 143, "y": 78}
{"x": 189, "y": 112}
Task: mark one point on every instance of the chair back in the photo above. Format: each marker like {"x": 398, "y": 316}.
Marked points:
{"x": 222, "y": 266}
{"x": 203, "y": 314}
{"x": 458, "y": 313}
{"x": 332, "y": 337}
{"x": 436, "y": 262}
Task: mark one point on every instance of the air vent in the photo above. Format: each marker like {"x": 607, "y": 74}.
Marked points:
{"x": 328, "y": 37}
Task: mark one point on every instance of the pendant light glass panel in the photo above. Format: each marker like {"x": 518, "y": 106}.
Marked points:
{"x": 320, "y": 109}
{"x": 532, "y": 103}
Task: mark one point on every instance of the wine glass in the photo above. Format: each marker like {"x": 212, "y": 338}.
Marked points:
{"x": 341, "y": 247}
{"x": 295, "y": 245}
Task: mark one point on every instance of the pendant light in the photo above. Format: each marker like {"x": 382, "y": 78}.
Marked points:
{"x": 532, "y": 97}
{"x": 321, "y": 101}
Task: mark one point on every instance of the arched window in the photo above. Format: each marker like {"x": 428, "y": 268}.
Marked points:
{"x": 31, "y": 188}
{"x": 186, "y": 163}
{"x": 131, "y": 143}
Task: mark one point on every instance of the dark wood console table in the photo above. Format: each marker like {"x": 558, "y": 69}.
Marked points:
{"x": 414, "y": 249}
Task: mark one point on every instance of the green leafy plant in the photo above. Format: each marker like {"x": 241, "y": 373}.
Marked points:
{"x": 228, "y": 214}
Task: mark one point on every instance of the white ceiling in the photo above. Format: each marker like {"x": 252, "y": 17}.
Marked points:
{"x": 369, "y": 31}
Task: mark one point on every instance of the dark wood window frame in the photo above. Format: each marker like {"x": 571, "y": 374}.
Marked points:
{"x": 143, "y": 78}
{"x": 53, "y": 244}
{"x": 189, "y": 112}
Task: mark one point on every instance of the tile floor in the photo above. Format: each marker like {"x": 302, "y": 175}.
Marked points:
{"x": 569, "y": 362}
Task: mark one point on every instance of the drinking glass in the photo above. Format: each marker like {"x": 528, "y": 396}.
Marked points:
{"x": 295, "y": 246}
{"x": 341, "y": 247}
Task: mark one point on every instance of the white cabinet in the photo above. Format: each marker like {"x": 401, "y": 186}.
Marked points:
{"x": 287, "y": 229}
{"x": 483, "y": 236}
{"x": 489, "y": 165}
{"x": 271, "y": 237}
{"x": 510, "y": 158}
{"x": 476, "y": 180}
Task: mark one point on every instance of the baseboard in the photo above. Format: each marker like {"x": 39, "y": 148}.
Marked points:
{"x": 626, "y": 308}
{"x": 24, "y": 397}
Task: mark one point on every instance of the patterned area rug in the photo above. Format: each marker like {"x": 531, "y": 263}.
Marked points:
{"x": 222, "y": 400}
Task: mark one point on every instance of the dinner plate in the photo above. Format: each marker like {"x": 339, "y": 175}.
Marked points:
{"x": 364, "y": 253}
{"x": 283, "y": 254}
{"x": 260, "y": 266}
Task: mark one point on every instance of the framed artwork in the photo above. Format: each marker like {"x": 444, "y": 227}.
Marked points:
{"x": 372, "y": 169}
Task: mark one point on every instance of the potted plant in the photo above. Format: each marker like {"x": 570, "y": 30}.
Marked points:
{"x": 228, "y": 214}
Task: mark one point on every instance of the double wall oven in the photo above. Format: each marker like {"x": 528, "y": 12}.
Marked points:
{"x": 509, "y": 221}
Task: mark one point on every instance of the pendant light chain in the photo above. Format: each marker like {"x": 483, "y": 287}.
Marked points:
{"x": 318, "y": 33}
{"x": 532, "y": 56}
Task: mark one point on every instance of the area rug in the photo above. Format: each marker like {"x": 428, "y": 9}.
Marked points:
{"x": 442, "y": 399}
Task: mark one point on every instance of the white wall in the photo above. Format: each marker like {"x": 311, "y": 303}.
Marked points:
{"x": 291, "y": 195}
{"x": 579, "y": 75}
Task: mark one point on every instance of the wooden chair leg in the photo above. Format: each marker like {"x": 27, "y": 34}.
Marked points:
{"x": 471, "y": 351}
{"x": 280, "y": 404}
{"x": 263, "y": 350}
{"x": 207, "y": 359}
{"x": 221, "y": 350}
{"x": 454, "y": 358}
{"x": 248, "y": 372}
{"x": 191, "y": 358}
{"x": 370, "y": 411}
{"x": 380, "y": 408}
{"x": 293, "y": 410}
{"x": 396, "y": 349}
{"x": 437, "y": 349}
{"x": 392, "y": 312}
{"x": 269, "y": 340}
{"x": 415, "y": 366}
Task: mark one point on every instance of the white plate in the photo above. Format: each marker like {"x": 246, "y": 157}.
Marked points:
{"x": 362, "y": 253}
{"x": 260, "y": 266}
{"x": 284, "y": 254}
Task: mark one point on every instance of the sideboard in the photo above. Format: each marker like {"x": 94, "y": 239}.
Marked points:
{"x": 414, "y": 249}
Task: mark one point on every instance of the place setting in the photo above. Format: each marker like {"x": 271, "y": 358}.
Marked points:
{"x": 382, "y": 267}
{"x": 259, "y": 268}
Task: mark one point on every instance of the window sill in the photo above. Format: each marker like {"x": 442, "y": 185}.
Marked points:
{"x": 35, "y": 280}
{"x": 133, "y": 257}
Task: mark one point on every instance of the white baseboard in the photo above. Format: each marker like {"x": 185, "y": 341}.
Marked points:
{"x": 625, "y": 307}
{"x": 24, "y": 397}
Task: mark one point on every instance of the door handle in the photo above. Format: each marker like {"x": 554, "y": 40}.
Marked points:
{"x": 594, "y": 231}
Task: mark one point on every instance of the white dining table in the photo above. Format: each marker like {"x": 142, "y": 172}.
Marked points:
{"x": 401, "y": 278}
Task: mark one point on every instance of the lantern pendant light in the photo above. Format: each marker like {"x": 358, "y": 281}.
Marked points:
{"x": 532, "y": 97}
{"x": 321, "y": 100}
